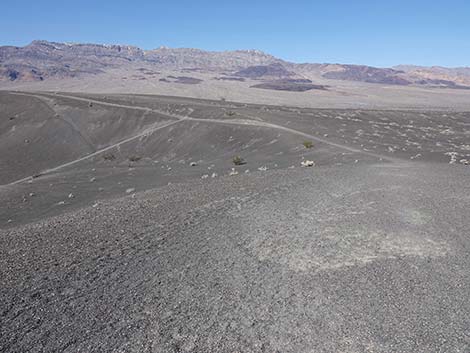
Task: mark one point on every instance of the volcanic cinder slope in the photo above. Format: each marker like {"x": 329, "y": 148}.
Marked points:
{"x": 123, "y": 226}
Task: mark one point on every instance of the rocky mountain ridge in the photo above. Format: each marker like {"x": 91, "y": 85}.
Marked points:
{"x": 43, "y": 60}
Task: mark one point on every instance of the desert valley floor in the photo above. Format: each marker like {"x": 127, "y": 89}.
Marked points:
{"x": 125, "y": 226}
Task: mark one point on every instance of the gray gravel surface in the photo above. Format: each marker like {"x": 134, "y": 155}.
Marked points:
{"x": 368, "y": 258}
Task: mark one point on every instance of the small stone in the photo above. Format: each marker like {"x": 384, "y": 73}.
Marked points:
{"x": 214, "y": 175}
{"x": 61, "y": 203}
{"x": 92, "y": 180}
{"x": 193, "y": 164}
{"x": 233, "y": 172}
{"x": 71, "y": 196}
{"x": 307, "y": 163}
{"x": 128, "y": 191}
{"x": 205, "y": 176}
{"x": 263, "y": 168}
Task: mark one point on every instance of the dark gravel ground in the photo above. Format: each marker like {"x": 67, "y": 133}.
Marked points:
{"x": 366, "y": 252}
{"x": 370, "y": 258}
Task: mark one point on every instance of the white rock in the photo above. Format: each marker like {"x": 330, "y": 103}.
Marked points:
{"x": 71, "y": 196}
{"x": 263, "y": 168}
{"x": 205, "y": 176}
{"x": 307, "y": 163}
{"x": 214, "y": 175}
{"x": 233, "y": 172}
{"x": 128, "y": 191}
{"x": 193, "y": 164}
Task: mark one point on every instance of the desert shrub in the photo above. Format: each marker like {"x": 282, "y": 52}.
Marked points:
{"x": 308, "y": 144}
{"x": 109, "y": 157}
{"x": 237, "y": 160}
{"x": 230, "y": 113}
{"x": 135, "y": 158}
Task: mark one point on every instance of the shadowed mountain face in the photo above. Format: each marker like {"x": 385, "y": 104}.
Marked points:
{"x": 261, "y": 71}
{"x": 368, "y": 74}
{"x": 42, "y": 60}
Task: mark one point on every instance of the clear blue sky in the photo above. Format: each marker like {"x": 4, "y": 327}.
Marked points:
{"x": 374, "y": 32}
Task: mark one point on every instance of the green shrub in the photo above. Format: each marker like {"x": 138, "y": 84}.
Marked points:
{"x": 308, "y": 144}
{"x": 109, "y": 157}
{"x": 237, "y": 160}
{"x": 135, "y": 158}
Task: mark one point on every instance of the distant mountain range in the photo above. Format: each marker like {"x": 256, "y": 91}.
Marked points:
{"x": 42, "y": 60}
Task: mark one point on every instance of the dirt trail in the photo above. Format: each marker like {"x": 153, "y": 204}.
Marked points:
{"x": 180, "y": 118}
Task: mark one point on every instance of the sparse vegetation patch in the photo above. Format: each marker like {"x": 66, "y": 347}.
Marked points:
{"x": 135, "y": 158}
{"x": 109, "y": 157}
{"x": 237, "y": 160}
{"x": 307, "y": 144}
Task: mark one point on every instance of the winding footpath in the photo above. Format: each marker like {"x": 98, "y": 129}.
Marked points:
{"x": 176, "y": 119}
